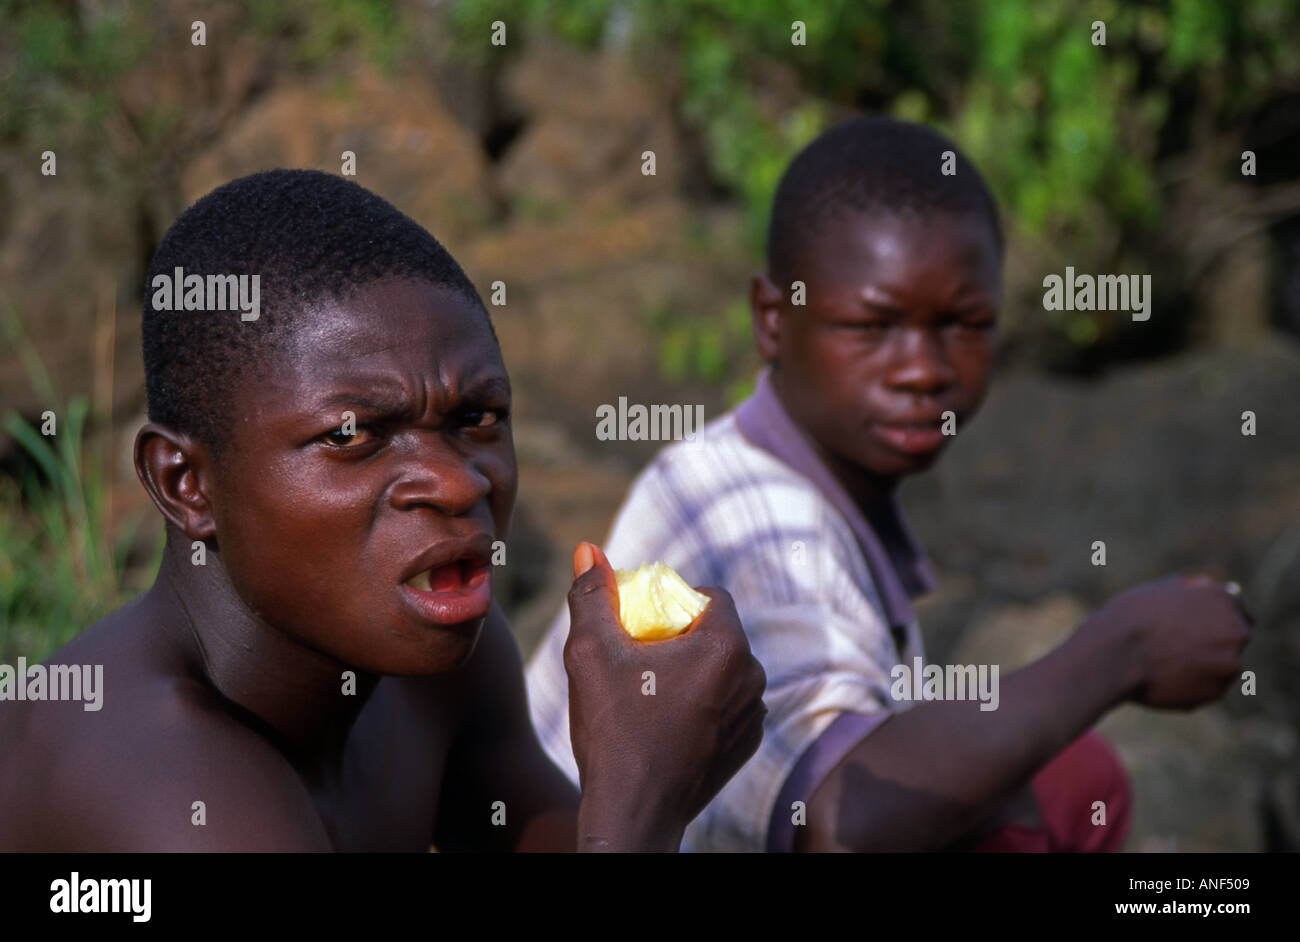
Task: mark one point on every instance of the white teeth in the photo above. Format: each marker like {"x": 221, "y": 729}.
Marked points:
{"x": 421, "y": 581}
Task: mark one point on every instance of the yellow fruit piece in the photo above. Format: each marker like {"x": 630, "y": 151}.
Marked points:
{"x": 655, "y": 603}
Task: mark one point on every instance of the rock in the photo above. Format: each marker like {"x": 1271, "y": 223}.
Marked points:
{"x": 1013, "y": 636}
{"x": 1198, "y": 777}
{"x": 409, "y": 149}
{"x": 1282, "y": 812}
{"x": 589, "y": 119}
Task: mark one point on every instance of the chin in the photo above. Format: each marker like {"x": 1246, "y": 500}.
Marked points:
{"x": 897, "y": 466}
{"x": 441, "y": 650}
{"x": 418, "y": 652}
{"x": 924, "y": 462}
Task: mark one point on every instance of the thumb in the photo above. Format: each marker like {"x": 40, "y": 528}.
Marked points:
{"x": 595, "y": 590}
{"x": 585, "y": 556}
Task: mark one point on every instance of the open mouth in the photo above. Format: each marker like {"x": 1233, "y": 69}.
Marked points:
{"x": 455, "y": 576}
{"x": 451, "y": 593}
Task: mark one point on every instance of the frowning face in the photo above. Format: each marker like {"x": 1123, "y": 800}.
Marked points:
{"x": 372, "y": 543}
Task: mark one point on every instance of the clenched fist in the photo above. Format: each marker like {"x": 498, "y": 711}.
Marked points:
{"x": 657, "y": 729}
{"x": 1186, "y": 633}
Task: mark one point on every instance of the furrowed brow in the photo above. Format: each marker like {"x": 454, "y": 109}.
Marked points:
{"x": 495, "y": 387}
{"x": 368, "y": 400}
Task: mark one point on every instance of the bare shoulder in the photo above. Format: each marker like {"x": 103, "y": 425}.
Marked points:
{"x": 159, "y": 764}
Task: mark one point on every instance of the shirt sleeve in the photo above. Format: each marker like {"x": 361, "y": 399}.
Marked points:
{"x": 816, "y": 674}
{"x": 815, "y": 623}
{"x": 818, "y": 761}
{"x": 809, "y": 609}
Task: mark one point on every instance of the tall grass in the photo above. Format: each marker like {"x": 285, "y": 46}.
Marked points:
{"x": 61, "y": 565}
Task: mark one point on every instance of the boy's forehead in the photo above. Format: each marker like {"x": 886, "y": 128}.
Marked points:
{"x": 389, "y": 314}
{"x": 905, "y": 250}
{"x": 407, "y": 329}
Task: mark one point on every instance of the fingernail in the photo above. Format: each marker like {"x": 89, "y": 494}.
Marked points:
{"x": 583, "y": 559}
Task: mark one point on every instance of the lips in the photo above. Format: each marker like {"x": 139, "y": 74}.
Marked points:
{"x": 919, "y": 436}
{"x": 451, "y": 582}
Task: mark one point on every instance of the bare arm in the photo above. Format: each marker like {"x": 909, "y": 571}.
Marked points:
{"x": 928, "y": 775}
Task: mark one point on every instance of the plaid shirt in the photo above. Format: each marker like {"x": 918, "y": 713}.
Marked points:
{"x": 798, "y": 559}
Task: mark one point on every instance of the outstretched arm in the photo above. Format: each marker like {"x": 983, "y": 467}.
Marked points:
{"x": 928, "y": 775}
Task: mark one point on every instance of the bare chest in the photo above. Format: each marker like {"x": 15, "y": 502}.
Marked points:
{"x": 384, "y": 797}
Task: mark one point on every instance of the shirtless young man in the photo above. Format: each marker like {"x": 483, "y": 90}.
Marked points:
{"x": 319, "y": 662}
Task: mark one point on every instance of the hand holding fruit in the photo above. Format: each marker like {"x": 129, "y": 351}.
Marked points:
{"x": 654, "y": 603}
{"x": 657, "y": 729}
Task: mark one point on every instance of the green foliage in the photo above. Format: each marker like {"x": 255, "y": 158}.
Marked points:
{"x": 317, "y": 32}
{"x": 1068, "y": 133}
{"x": 59, "y": 63}
{"x": 1071, "y": 135}
{"x": 1058, "y": 122}
{"x": 60, "y": 566}
{"x": 694, "y": 346}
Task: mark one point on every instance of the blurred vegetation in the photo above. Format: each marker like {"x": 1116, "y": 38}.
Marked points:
{"x": 1083, "y": 145}
{"x": 709, "y": 349}
{"x": 59, "y": 68}
{"x": 61, "y": 566}
{"x": 1071, "y": 136}
{"x": 317, "y": 31}
{"x": 60, "y": 60}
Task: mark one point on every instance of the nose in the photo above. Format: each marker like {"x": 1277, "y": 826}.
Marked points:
{"x": 920, "y": 363}
{"x": 437, "y": 475}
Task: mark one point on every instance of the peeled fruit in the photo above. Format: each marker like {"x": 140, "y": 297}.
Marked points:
{"x": 655, "y": 603}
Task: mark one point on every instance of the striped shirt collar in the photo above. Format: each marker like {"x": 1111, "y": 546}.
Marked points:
{"x": 897, "y": 562}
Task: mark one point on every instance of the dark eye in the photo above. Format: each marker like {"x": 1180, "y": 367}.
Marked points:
{"x": 483, "y": 418}
{"x": 865, "y": 326}
{"x": 338, "y": 438}
{"x": 973, "y": 321}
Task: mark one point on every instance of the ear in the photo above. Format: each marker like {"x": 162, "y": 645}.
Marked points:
{"x": 767, "y": 307}
{"x": 173, "y": 468}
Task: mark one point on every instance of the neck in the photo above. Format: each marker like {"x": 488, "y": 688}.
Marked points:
{"x": 289, "y": 687}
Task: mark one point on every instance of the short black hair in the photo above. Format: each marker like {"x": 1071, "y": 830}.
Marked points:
{"x": 870, "y": 164}
{"x": 310, "y": 236}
